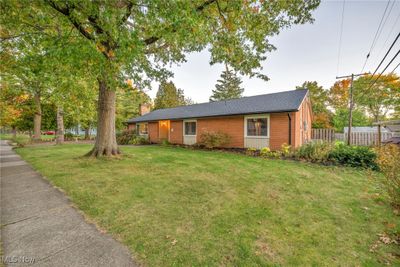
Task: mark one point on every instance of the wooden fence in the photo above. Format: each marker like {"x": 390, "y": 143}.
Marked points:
{"x": 356, "y": 138}
{"x": 323, "y": 134}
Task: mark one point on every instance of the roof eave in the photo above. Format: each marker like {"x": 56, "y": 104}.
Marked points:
{"x": 213, "y": 116}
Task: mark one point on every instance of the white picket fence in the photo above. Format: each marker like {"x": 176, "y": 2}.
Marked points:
{"x": 356, "y": 138}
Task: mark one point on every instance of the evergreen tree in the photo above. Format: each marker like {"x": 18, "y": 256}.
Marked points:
{"x": 227, "y": 87}
{"x": 168, "y": 96}
{"x": 129, "y": 97}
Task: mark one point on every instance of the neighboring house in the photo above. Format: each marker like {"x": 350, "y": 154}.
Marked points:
{"x": 365, "y": 129}
{"x": 257, "y": 121}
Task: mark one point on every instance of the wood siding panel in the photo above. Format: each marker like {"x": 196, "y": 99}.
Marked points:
{"x": 153, "y": 132}
{"x": 176, "y": 132}
{"x": 233, "y": 126}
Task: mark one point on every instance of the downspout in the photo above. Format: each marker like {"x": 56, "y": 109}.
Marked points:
{"x": 290, "y": 129}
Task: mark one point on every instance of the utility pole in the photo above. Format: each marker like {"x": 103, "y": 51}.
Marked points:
{"x": 351, "y": 103}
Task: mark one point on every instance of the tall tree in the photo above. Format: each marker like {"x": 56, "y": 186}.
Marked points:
{"x": 379, "y": 99}
{"x": 227, "y": 87}
{"x": 129, "y": 97}
{"x": 341, "y": 118}
{"x": 168, "y": 96}
{"x": 136, "y": 38}
{"x": 319, "y": 103}
{"x": 339, "y": 94}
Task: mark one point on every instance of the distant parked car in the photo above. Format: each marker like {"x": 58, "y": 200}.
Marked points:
{"x": 49, "y": 133}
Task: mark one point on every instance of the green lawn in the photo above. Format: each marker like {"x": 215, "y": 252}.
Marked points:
{"x": 175, "y": 206}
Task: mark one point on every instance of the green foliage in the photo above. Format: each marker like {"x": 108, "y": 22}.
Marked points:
{"x": 314, "y": 152}
{"x": 380, "y": 98}
{"x": 21, "y": 140}
{"x": 129, "y": 137}
{"x": 227, "y": 87}
{"x": 285, "y": 150}
{"x": 341, "y": 119}
{"x": 165, "y": 143}
{"x": 325, "y": 152}
{"x": 354, "y": 156}
{"x": 389, "y": 163}
{"x": 109, "y": 42}
{"x": 214, "y": 139}
{"x": 265, "y": 151}
{"x": 69, "y": 136}
{"x": 128, "y": 100}
{"x": 168, "y": 96}
{"x": 251, "y": 151}
{"x": 319, "y": 98}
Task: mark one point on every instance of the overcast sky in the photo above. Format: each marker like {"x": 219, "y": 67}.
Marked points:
{"x": 307, "y": 52}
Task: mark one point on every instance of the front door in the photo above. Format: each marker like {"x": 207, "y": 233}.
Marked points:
{"x": 163, "y": 130}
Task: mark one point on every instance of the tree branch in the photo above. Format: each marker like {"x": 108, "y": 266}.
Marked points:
{"x": 153, "y": 39}
{"x": 67, "y": 12}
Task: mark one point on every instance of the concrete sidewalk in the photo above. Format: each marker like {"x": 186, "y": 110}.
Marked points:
{"x": 39, "y": 226}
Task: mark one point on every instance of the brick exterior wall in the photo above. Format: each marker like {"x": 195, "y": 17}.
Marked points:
{"x": 176, "y": 132}
{"x": 131, "y": 126}
{"x": 234, "y": 126}
{"x": 279, "y": 130}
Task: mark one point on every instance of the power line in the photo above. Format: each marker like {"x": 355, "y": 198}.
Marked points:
{"x": 387, "y": 53}
{"x": 340, "y": 38}
{"x": 378, "y": 31}
{"x": 387, "y": 66}
{"x": 395, "y": 68}
{"x": 390, "y": 34}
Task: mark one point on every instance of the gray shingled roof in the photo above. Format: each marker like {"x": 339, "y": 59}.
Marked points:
{"x": 269, "y": 103}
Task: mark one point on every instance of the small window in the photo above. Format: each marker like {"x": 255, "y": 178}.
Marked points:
{"x": 257, "y": 127}
{"x": 141, "y": 129}
{"x": 190, "y": 128}
{"x": 305, "y": 125}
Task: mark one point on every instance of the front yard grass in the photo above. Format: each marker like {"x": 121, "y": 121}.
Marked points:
{"x": 175, "y": 206}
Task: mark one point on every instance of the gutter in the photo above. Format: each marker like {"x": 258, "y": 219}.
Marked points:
{"x": 290, "y": 129}
{"x": 213, "y": 116}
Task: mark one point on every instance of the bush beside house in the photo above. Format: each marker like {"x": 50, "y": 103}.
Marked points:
{"x": 388, "y": 161}
{"x": 129, "y": 137}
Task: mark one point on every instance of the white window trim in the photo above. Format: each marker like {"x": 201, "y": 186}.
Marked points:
{"x": 184, "y": 127}
{"x": 138, "y": 124}
{"x": 257, "y": 116}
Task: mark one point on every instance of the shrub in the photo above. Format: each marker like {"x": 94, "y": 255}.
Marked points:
{"x": 285, "y": 149}
{"x": 251, "y": 151}
{"x": 129, "y": 137}
{"x": 21, "y": 140}
{"x": 314, "y": 152}
{"x": 214, "y": 139}
{"x": 165, "y": 143}
{"x": 388, "y": 160}
{"x": 69, "y": 136}
{"x": 265, "y": 152}
{"x": 354, "y": 156}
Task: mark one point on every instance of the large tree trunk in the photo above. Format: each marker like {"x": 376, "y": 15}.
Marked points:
{"x": 106, "y": 142}
{"x": 37, "y": 120}
{"x": 60, "y": 126}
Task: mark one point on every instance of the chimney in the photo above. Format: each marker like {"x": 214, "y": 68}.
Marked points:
{"x": 144, "y": 108}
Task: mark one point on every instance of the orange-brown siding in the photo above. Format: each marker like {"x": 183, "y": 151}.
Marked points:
{"x": 176, "y": 132}
{"x": 153, "y": 132}
{"x": 131, "y": 126}
{"x": 233, "y": 126}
